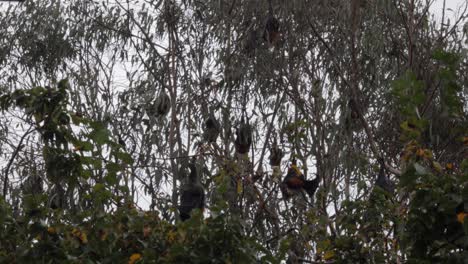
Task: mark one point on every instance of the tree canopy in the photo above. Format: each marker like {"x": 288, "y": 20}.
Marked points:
{"x": 304, "y": 132}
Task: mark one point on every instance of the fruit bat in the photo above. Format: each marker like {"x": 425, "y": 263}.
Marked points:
{"x": 192, "y": 194}
{"x": 243, "y": 137}
{"x": 271, "y": 33}
{"x": 384, "y": 182}
{"x": 162, "y": 104}
{"x": 251, "y": 43}
{"x": 295, "y": 181}
{"x": 276, "y": 154}
{"x": 212, "y": 129}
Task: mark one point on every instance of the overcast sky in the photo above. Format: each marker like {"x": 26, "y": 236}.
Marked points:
{"x": 454, "y": 5}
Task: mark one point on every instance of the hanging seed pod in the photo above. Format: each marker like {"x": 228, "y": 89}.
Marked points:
{"x": 212, "y": 129}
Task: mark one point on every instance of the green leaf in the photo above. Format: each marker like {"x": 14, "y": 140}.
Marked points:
{"x": 86, "y": 174}
{"x": 99, "y": 187}
{"x": 36, "y": 91}
{"x": 113, "y": 167}
{"x": 100, "y": 135}
{"x": 111, "y": 179}
{"x": 448, "y": 58}
{"x": 63, "y": 84}
{"x": 465, "y": 226}
{"x": 408, "y": 179}
{"x": 125, "y": 157}
{"x": 84, "y": 145}
{"x": 91, "y": 161}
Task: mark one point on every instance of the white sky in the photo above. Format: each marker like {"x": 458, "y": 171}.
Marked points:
{"x": 451, "y": 7}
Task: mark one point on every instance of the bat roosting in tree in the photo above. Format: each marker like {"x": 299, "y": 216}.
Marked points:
{"x": 243, "y": 137}
{"x": 276, "y": 154}
{"x": 163, "y": 104}
{"x": 383, "y": 181}
{"x": 212, "y": 129}
{"x": 295, "y": 181}
{"x": 271, "y": 33}
{"x": 192, "y": 194}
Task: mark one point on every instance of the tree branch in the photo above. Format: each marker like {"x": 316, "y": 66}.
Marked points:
{"x": 13, "y": 156}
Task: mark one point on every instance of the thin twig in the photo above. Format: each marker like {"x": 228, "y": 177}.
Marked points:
{"x": 10, "y": 162}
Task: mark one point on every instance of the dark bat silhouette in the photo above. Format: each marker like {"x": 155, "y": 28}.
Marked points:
{"x": 192, "y": 194}
{"x": 294, "y": 180}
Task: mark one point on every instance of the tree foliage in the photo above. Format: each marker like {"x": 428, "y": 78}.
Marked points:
{"x": 105, "y": 103}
